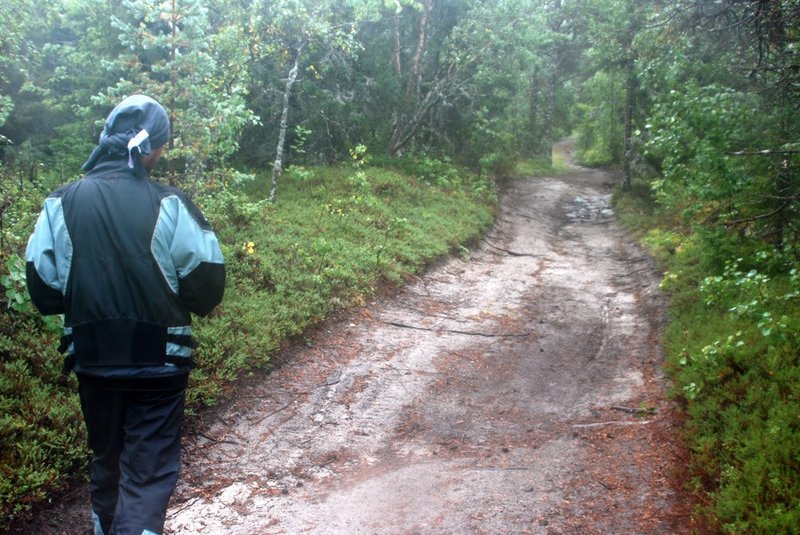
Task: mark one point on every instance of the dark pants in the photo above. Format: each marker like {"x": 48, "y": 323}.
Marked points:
{"x": 135, "y": 440}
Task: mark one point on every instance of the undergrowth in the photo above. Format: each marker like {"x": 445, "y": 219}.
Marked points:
{"x": 333, "y": 236}
{"x": 733, "y": 354}
{"x": 540, "y": 167}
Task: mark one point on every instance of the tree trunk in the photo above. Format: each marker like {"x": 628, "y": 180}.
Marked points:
{"x": 398, "y": 49}
{"x": 277, "y": 166}
{"x": 552, "y": 75}
{"x": 534, "y": 113}
{"x": 627, "y": 141}
{"x": 613, "y": 144}
{"x": 413, "y": 81}
{"x": 172, "y": 177}
{"x": 406, "y": 120}
{"x": 631, "y": 88}
{"x": 549, "y": 116}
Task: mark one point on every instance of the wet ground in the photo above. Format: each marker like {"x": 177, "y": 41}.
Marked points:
{"x": 518, "y": 390}
{"x": 515, "y": 390}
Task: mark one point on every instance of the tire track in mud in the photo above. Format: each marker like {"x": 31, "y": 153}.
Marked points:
{"x": 501, "y": 393}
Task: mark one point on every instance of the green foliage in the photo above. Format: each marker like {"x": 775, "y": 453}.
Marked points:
{"x": 723, "y": 225}
{"x": 42, "y": 444}
{"x": 171, "y": 54}
{"x": 528, "y": 167}
{"x": 636, "y": 208}
{"x": 599, "y": 132}
{"x": 13, "y": 281}
{"x": 20, "y": 200}
{"x": 443, "y": 173}
{"x": 733, "y": 352}
{"x": 740, "y": 374}
{"x": 694, "y": 132}
{"x": 6, "y": 105}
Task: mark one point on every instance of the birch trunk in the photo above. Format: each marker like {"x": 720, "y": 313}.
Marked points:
{"x": 534, "y": 112}
{"x": 277, "y": 166}
{"x": 398, "y": 49}
{"x": 413, "y": 81}
{"x": 627, "y": 141}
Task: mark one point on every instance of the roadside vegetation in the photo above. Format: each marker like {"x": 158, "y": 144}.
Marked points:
{"x": 338, "y": 234}
{"x": 732, "y": 352}
{"x": 338, "y": 145}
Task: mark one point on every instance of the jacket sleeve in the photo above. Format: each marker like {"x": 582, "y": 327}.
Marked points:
{"x": 196, "y": 268}
{"x": 47, "y": 259}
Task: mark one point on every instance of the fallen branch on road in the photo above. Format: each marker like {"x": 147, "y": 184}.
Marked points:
{"x": 501, "y": 468}
{"x": 614, "y": 422}
{"x": 631, "y": 410}
{"x": 510, "y": 253}
{"x": 217, "y": 440}
{"x": 454, "y": 331}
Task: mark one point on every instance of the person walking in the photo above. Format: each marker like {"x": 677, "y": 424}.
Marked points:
{"x": 127, "y": 261}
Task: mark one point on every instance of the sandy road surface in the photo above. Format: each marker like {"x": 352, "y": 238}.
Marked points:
{"x": 514, "y": 391}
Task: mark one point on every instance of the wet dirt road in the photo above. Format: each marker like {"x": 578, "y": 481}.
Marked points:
{"x": 518, "y": 390}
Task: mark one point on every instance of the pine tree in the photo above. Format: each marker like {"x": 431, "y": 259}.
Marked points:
{"x": 170, "y": 55}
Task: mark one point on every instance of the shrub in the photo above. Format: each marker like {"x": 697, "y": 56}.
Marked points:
{"x": 41, "y": 431}
{"x": 733, "y": 353}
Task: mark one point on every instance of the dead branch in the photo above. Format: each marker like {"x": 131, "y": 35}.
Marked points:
{"x": 633, "y": 272}
{"x": 766, "y": 152}
{"x": 607, "y": 487}
{"x": 510, "y": 253}
{"x": 454, "y": 331}
{"x": 759, "y": 217}
{"x": 613, "y": 422}
{"x": 321, "y": 386}
{"x": 500, "y": 468}
{"x": 429, "y": 314}
{"x": 217, "y": 440}
{"x": 273, "y": 413}
{"x": 632, "y": 410}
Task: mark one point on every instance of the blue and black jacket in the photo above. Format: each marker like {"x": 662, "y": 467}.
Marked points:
{"x": 126, "y": 260}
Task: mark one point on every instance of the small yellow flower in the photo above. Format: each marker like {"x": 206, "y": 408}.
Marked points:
{"x": 249, "y": 247}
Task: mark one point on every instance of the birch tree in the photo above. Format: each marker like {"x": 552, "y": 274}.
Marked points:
{"x": 293, "y": 37}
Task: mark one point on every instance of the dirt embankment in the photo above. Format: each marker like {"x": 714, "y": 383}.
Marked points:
{"x": 515, "y": 391}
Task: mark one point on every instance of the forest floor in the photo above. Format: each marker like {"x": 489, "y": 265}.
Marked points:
{"x": 518, "y": 389}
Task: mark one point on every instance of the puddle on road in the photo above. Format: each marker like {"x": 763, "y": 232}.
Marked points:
{"x": 590, "y": 208}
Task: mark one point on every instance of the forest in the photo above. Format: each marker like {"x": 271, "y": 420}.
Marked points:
{"x": 340, "y": 145}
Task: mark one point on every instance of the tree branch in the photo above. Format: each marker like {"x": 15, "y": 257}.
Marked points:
{"x": 510, "y": 253}
{"x": 454, "y": 331}
{"x": 775, "y": 212}
{"x": 766, "y": 152}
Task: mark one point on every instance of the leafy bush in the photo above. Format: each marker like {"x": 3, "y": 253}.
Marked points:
{"x": 733, "y": 346}
{"x": 740, "y": 374}
{"x": 41, "y": 431}
{"x": 442, "y": 173}
{"x": 598, "y": 140}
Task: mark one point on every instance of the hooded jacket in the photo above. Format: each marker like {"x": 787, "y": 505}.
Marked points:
{"x": 126, "y": 260}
